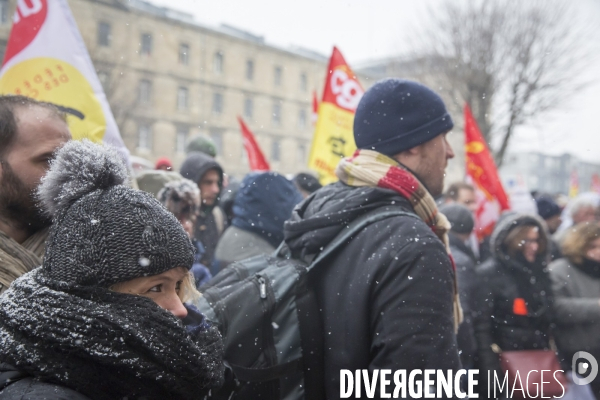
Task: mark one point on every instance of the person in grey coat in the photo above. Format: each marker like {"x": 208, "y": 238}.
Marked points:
{"x": 576, "y": 286}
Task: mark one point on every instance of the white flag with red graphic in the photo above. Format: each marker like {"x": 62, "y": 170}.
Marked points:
{"x": 46, "y": 59}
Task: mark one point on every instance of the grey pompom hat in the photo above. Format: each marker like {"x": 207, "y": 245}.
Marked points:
{"x": 104, "y": 232}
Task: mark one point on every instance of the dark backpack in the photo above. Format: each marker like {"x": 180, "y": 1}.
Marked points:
{"x": 270, "y": 319}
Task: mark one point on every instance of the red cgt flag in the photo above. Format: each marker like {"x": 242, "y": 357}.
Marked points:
{"x": 257, "y": 160}
{"x": 483, "y": 175}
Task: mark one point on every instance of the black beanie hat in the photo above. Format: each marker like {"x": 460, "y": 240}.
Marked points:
{"x": 102, "y": 231}
{"x": 460, "y": 218}
{"x": 396, "y": 115}
{"x": 547, "y": 207}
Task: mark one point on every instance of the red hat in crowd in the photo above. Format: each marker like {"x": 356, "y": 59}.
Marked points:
{"x": 164, "y": 163}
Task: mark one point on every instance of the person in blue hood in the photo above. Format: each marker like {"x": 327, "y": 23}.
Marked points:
{"x": 264, "y": 201}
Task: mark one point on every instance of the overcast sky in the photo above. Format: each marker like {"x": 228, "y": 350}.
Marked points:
{"x": 367, "y": 29}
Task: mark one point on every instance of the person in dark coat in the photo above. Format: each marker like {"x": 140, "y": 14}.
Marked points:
{"x": 208, "y": 175}
{"x": 576, "y": 283}
{"x": 104, "y": 314}
{"x": 265, "y": 200}
{"x": 462, "y": 221}
{"x": 550, "y": 212}
{"x": 388, "y": 297}
{"x": 514, "y": 297}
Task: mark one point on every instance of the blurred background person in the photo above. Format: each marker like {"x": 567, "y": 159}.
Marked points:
{"x": 462, "y": 224}
{"x": 201, "y": 144}
{"x": 263, "y": 203}
{"x": 207, "y": 173}
{"x": 461, "y": 193}
{"x": 576, "y": 284}
{"x": 182, "y": 198}
{"x": 583, "y": 208}
{"x": 550, "y": 212}
{"x": 306, "y": 184}
{"x": 514, "y": 294}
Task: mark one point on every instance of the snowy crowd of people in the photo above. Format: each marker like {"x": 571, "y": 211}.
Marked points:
{"x": 100, "y": 269}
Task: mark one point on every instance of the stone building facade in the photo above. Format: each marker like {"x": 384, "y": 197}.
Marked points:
{"x": 169, "y": 78}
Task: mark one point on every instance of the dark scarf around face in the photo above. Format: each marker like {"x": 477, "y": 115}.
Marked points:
{"x": 103, "y": 344}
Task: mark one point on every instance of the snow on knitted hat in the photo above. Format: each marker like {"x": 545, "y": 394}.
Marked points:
{"x": 395, "y": 115}
{"x": 104, "y": 232}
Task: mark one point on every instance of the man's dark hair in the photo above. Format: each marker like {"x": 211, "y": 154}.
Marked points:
{"x": 8, "y": 122}
{"x": 453, "y": 189}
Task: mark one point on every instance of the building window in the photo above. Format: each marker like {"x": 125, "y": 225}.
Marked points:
{"x": 145, "y": 92}
{"x": 275, "y": 150}
{"x": 181, "y": 139}
{"x": 249, "y": 70}
{"x": 276, "y": 113}
{"x": 278, "y": 72}
{"x": 3, "y": 12}
{"x": 104, "y": 34}
{"x": 248, "y": 107}
{"x": 217, "y": 106}
{"x": 184, "y": 54}
{"x": 217, "y": 138}
{"x": 218, "y": 63}
{"x": 144, "y": 138}
{"x": 302, "y": 118}
{"x": 146, "y": 44}
{"x": 301, "y": 153}
{"x": 303, "y": 82}
{"x": 182, "y": 98}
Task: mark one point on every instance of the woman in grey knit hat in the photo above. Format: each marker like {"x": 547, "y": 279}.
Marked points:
{"x": 104, "y": 317}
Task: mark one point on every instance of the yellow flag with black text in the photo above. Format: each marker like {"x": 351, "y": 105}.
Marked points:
{"x": 334, "y": 138}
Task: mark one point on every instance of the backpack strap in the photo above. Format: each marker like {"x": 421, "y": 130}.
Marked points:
{"x": 309, "y": 317}
{"x": 354, "y": 228}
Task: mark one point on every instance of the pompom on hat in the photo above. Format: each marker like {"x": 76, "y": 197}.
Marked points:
{"x": 104, "y": 232}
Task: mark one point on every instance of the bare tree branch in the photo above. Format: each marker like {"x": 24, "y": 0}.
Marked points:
{"x": 510, "y": 60}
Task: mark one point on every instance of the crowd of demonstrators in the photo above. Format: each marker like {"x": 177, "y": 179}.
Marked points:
{"x": 576, "y": 282}
{"x": 97, "y": 241}
{"x": 72, "y": 328}
{"x": 264, "y": 201}
{"x": 30, "y": 131}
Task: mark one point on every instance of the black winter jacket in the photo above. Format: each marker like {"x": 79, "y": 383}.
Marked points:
{"x": 386, "y": 297}
{"x": 502, "y": 280}
{"x": 29, "y": 388}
